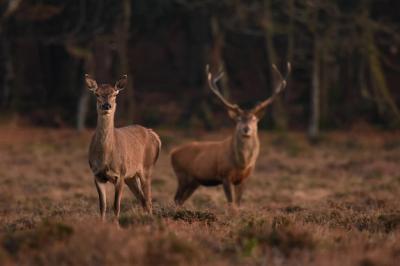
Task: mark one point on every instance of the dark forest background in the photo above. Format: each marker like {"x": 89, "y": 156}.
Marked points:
{"x": 345, "y": 59}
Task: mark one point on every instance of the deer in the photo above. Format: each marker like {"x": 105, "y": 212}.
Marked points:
{"x": 120, "y": 155}
{"x": 230, "y": 161}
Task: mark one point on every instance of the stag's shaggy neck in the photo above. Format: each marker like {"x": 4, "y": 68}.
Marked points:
{"x": 245, "y": 150}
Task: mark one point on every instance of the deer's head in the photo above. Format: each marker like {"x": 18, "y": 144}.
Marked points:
{"x": 106, "y": 94}
{"x": 246, "y": 120}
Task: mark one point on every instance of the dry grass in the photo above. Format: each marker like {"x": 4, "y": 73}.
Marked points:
{"x": 332, "y": 204}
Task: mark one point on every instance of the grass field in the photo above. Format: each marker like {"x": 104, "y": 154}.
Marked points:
{"x": 332, "y": 204}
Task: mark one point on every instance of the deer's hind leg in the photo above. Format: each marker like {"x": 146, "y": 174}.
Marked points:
{"x": 189, "y": 189}
{"x": 186, "y": 184}
{"x": 180, "y": 189}
{"x": 134, "y": 185}
{"x": 186, "y": 187}
{"x": 146, "y": 188}
{"x": 182, "y": 182}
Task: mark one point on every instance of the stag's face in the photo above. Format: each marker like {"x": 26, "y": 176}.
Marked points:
{"x": 246, "y": 124}
{"x": 246, "y": 121}
{"x": 106, "y": 94}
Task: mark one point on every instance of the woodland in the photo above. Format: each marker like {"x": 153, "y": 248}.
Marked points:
{"x": 344, "y": 54}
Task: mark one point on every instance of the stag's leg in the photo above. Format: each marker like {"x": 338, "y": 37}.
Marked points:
{"x": 101, "y": 190}
{"x": 179, "y": 194}
{"x": 117, "y": 197}
{"x": 185, "y": 191}
{"x": 181, "y": 186}
{"x": 228, "y": 189}
{"x": 238, "y": 193}
{"x": 147, "y": 191}
{"x": 134, "y": 185}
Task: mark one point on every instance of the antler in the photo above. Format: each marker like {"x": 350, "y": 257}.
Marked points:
{"x": 212, "y": 82}
{"x": 281, "y": 85}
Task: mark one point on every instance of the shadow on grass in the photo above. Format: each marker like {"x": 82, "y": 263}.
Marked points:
{"x": 45, "y": 234}
{"x": 176, "y": 214}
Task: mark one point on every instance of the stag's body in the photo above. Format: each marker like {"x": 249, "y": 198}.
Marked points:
{"x": 228, "y": 162}
{"x": 121, "y": 155}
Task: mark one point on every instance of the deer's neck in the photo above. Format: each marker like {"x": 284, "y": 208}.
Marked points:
{"x": 105, "y": 133}
{"x": 245, "y": 150}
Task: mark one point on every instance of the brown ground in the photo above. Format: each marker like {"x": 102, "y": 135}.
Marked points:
{"x": 332, "y": 204}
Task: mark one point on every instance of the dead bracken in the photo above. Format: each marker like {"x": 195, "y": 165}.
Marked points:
{"x": 300, "y": 212}
{"x": 191, "y": 216}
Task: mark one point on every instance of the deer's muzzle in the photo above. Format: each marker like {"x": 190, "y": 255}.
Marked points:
{"x": 105, "y": 106}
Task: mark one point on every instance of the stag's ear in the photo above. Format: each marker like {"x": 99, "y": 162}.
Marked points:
{"x": 260, "y": 113}
{"x": 90, "y": 83}
{"x": 233, "y": 114}
{"x": 121, "y": 84}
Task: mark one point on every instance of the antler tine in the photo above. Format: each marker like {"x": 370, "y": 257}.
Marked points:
{"x": 281, "y": 85}
{"x": 283, "y": 82}
{"x": 212, "y": 82}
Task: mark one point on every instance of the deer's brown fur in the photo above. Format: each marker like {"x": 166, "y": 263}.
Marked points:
{"x": 120, "y": 155}
{"x": 228, "y": 162}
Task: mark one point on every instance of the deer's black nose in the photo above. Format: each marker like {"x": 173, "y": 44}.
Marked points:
{"x": 106, "y": 106}
{"x": 246, "y": 129}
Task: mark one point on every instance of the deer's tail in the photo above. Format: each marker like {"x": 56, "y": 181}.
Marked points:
{"x": 158, "y": 140}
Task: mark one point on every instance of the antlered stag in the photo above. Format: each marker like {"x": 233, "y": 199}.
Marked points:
{"x": 119, "y": 155}
{"x": 228, "y": 162}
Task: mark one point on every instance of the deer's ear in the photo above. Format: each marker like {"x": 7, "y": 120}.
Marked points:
{"x": 233, "y": 114}
{"x": 121, "y": 84}
{"x": 90, "y": 83}
{"x": 260, "y": 113}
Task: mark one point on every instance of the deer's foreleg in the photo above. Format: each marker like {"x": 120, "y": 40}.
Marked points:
{"x": 238, "y": 193}
{"x": 101, "y": 190}
{"x": 229, "y": 190}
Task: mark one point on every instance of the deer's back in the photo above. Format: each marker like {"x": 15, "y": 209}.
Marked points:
{"x": 204, "y": 160}
{"x": 139, "y": 145}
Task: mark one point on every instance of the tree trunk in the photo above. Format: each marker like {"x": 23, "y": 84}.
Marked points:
{"x": 8, "y": 72}
{"x": 217, "y": 59}
{"x": 126, "y": 113}
{"x": 86, "y": 55}
{"x": 83, "y": 103}
{"x": 313, "y": 130}
{"x": 378, "y": 75}
{"x": 290, "y": 50}
{"x": 216, "y": 62}
{"x": 278, "y": 112}
{"x": 326, "y": 71}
